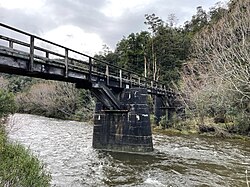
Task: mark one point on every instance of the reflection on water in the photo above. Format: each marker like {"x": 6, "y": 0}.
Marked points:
{"x": 65, "y": 148}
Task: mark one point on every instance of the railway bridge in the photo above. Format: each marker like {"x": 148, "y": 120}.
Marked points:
{"x": 121, "y": 118}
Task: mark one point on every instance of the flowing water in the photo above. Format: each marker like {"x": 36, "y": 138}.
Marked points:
{"x": 185, "y": 161}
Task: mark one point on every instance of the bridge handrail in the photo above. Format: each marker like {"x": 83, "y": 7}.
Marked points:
{"x": 147, "y": 81}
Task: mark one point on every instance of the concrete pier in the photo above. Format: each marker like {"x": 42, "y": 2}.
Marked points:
{"x": 126, "y": 130}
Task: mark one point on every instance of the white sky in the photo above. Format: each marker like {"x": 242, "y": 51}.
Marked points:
{"x": 22, "y": 4}
{"x": 116, "y": 8}
{"x": 86, "y": 25}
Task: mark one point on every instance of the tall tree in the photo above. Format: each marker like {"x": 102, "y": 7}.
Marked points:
{"x": 132, "y": 52}
{"x": 199, "y": 20}
{"x": 154, "y": 23}
{"x": 169, "y": 48}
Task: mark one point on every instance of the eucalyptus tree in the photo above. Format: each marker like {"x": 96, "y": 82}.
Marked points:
{"x": 169, "y": 48}
{"x": 133, "y": 54}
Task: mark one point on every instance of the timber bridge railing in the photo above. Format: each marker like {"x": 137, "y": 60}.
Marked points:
{"x": 48, "y": 60}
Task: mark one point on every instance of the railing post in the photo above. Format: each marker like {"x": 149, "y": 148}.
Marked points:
{"x": 47, "y": 54}
{"x": 90, "y": 67}
{"x": 107, "y": 74}
{"x": 66, "y": 62}
{"x": 120, "y": 78}
{"x": 11, "y": 44}
{"x": 139, "y": 82}
{"x": 32, "y": 46}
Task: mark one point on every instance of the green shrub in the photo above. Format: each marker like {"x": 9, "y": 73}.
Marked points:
{"x": 164, "y": 122}
{"x": 3, "y": 138}
{"x": 18, "y": 167}
{"x": 243, "y": 123}
{"x": 7, "y": 103}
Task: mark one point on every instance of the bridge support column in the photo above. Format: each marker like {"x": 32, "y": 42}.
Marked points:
{"x": 167, "y": 106}
{"x": 127, "y": 130}
{"x": 159, "y": 108}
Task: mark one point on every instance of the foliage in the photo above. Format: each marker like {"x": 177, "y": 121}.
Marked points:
{"x": 19, "y": 167}
{"x": 198, "y": 21}
{"x": 3, "y": 83}
{"x": 7, "y": 103}
{"x": 49, "y": 98}
{"x": 216, "y": 79}
{"x": 56, "y": 99}
{"x": 133, "y": 52}
{"x": 18, "y": 83}
{"x": 243, "y": 123}
{"x": 164, "y": 122}
{"x": 171, "y": 50}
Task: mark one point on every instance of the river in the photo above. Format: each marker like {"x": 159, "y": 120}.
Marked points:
{"x": 178, "y": 161}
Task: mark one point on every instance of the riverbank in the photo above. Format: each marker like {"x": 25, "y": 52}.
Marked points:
{"x": 18, "y": 166}
{"x": 208, "y": 129}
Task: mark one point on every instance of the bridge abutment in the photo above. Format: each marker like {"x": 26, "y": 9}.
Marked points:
{"x": 127, "y": 129}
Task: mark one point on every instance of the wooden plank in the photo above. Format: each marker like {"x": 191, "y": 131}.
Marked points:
{"x": 49, "y": 51}
{"x": 14, "y": 41}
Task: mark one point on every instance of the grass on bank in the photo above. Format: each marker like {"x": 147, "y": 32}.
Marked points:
{"x": 193, "y": 126}
{"x": 18, "y": 167}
